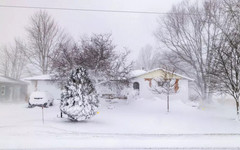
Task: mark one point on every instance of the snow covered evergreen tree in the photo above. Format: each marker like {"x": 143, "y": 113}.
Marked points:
{"x": 79, "y": 100}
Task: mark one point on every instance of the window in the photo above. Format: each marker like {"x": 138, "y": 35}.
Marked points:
{"x": 136, "y": 86}
{"x": 3, "y": 90}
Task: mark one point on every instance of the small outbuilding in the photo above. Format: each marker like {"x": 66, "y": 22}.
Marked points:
{"x": 12, "y": 90}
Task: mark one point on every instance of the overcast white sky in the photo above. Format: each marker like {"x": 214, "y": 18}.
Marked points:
{"x": 128, "y": 30}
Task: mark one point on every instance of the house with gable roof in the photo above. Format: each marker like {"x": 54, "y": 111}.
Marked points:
{"x": 12, "y": 90}
{"x": 142, "y": 83}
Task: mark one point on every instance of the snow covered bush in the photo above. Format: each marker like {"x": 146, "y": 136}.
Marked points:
{"x": 79, "y": 100}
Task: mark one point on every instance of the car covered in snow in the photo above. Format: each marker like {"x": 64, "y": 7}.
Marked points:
{"x": 38, "y": 98}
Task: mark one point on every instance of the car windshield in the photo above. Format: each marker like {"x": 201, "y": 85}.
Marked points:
{"x": 38, "y": 98}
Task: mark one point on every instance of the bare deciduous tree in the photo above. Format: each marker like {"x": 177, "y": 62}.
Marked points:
{"x": 147, "y": 58}
{"x": 4, "y": 61}
{"x": 226, "y": 69}
{"x": 13, "y": 60}
{"x": 44, "y": 36}
{"x": 119, "y": 71}
{"x": 166, "y": 84}
{"x": 64, "y": 60}
{"x": 190, "y": 35}
{"x": 97, "y": 54}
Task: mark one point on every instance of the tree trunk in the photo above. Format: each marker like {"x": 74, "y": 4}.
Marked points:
{"x": 42, "y": 116}
{"x": 168, "y": 103}
{"x": 204, "y": 98}
{"x": 237, "y": 106}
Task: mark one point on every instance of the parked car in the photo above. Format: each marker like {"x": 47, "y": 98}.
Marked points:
{"x": 38, "y": 98}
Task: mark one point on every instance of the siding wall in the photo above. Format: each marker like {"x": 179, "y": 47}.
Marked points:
{"x": 13, "y": 92}
{"x": 45, "y": 86}
{"x": 146, "y": 92}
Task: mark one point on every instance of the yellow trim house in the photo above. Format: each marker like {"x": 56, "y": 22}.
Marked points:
{"x": 142, "y": 83}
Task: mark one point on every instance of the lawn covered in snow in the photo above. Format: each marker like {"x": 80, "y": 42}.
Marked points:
{"x": 140, "y": 123}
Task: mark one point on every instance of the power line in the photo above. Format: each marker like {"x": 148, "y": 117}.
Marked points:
{"x": 87, "y": 10}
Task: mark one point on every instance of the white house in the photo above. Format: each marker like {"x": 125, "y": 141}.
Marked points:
{"x": 12, "y": 89}
{"x": 142, "y": 83}
{"x": 44, "y": 83}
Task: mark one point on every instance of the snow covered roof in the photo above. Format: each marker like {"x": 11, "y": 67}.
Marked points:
{"x": 146, "y": 72}
{"x": 136, "y": 73}
{"x": 10, "y": 80}
{"x": 40, "y": 77}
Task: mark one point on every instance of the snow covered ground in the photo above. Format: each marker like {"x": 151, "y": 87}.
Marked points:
{"x": 141, "y": 123}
